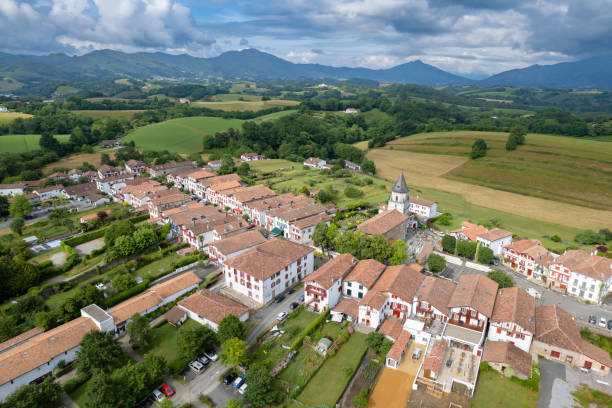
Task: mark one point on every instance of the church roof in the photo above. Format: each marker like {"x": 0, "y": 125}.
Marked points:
{"x": 400, "y": 185}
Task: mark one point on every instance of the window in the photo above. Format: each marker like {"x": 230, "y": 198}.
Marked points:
{"x": 555, "y": 354}
{"x": 498, "y": 330}
{"x": 349, "y": 292}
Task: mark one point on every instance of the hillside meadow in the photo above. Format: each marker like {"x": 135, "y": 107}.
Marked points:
{"x": 113, "y": 114}
{"x": 75, "y": 160}
{"x": 182, "y": 135}
{"x": 10, "y": 116}
{"x": 439, "y": 161}
{"x": 244, "y": 105}
{"x": 24, "y": 143}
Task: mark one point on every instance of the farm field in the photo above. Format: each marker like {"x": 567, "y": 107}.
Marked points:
{"x": 235, "y": 97}
{"x": 438, "y": 168}
{"x": 10, "y": 116}
{"x": 113, "y": 114}
{"x": 76, "y": 160}
{"x": 24, "y": 143}
{"x": 558, "y": 168}
{"x": 275, "y": 115}
{"x": 244, "y": 105}
{"x": 182, "y": 135}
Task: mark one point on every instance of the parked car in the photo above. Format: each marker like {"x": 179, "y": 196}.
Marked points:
{"x": 238, "y": 382}
{"x": 416, "y": 354}
{"x": 281, "y": 316}
{"x": 290, "y": 291}
{"x": 242, "y": 388}
{"x": 610, "y": 324}
{"x": 157, "y": 395}
{"x": 602, "y": 322}
{"x": 197, "y": 367}
{"x": 204, "y": 360}
{"x": 167, "y": 390}
{"x": 230, "y": 378}
{"x": 449, "y": 362}
{"x": 211, "y": 355}
{"x": 279, "y": 299}
{"x": 293, "y": 306}
{"x": 592, "y": 319}
{"x": 302, "y": 298}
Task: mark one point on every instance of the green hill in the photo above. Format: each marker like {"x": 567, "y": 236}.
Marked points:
{"x": 23, "y": 143}
{"x": 180, "y": 135}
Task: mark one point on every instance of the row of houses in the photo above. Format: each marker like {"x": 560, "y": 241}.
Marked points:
{"x": 36, "y": 353}
{"x": 575, "y": 272}
{"x": 468, "y": 321}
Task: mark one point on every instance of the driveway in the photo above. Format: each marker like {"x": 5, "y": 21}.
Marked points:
{"x": 549, "y": 371}
{"x": 266, "y": 316}
{"x": 90, "y": 246}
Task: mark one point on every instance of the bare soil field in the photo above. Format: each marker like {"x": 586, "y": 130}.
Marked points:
{"x": 392, "y": 389}
{"x": 76, "y": 160}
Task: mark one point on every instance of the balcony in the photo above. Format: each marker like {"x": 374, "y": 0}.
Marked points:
{"x": 466, "y": 325}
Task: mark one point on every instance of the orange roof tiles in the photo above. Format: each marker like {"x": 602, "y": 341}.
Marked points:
{"x": 366, "y": 272}
{"x": 212, "y": 306}
{"x": 475, "y": 291}
{"x": 332, "y": 270}
{"x": 508, "y": 354}
{"x": 383, "y": 223}
{"x": 516, "y": 306}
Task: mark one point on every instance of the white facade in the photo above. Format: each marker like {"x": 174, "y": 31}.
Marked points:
{"x": 424, "y": 211}
{"x": 264, "y": 292}
{"x": 588, "y": 288}
{"x": 320, "y": 298}
{"x": 205, "y": 322}
{"x": 510, "y": 332}
{"x": 353, "y": 289}
{"x": 425, "y": 309}
{"x": 11, "y": 190}
{"x": 496, "y": 246}
{"x": 370, "y": 316}
{"x": 46, "y": 195}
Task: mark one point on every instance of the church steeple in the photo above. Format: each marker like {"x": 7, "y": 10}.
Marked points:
{"x": 400, "y": 185}
{"x": 400, "y": 198}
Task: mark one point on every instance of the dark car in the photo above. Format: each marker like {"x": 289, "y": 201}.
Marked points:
{"x": 279, "y": 299}
{"x": 302, "y": 298}
{"x": 449, "y": 363}
{"x": 230, "y": 378}
{"x": 290, "y": 291}
{"x": 592, "y": 319}
{"x": 610, "y": 324}
{"x": 294, "y": 306}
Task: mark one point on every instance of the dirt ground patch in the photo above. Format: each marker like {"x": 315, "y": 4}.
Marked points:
{"x": 76, "y": 160}
{"x": 426, "y": 170}
{"x": 88, "y": 247}
{"x": 59, "y": 258}
{"x": 392, "y": 389}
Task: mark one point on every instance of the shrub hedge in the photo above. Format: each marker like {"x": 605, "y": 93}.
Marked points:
{"x": 309, "y": 329}
{"x": 121, "y": 296}
{"x": 74, "y": 383}
{"x": 86, "y": 237}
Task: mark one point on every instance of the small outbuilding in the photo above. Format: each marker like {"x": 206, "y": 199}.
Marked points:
{"x": 323, "y": 345}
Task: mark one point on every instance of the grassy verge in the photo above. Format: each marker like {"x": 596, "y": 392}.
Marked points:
{"x": 495, "y": 390}
{"x": 328, "y": 384}
{"x": 600, "y": 341}
{"x": 164, "y": 343}
{"x": 587, "y": 397}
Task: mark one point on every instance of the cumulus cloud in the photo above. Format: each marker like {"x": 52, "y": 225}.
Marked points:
{"x": 463, "y": 36}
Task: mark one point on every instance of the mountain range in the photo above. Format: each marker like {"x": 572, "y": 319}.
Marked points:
{"x": 593, "y": 73}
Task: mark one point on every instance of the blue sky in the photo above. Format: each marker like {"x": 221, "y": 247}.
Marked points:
{"x": 470, "y": 37}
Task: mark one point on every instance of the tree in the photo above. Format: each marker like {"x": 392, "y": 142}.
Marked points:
{"x": 145, "y": 237}
{"x": 48, "y": 142}
{"x": 448, "y": 244}
{"x": 232, "y": 403}
{"x": 260, "y": 391}
{"x": 444, "y": 219}
{"x": 319, "y": 236}
{"x": 485, "y": 255}
{"x": 20, "y": 206}
{"x": 194, "y": 341}
{"x": 466, "y": 249}
{"x": 436, "y": 263}
{"x": 139, "y": 331}
{"x": 323, "y": 196}
{"x": 368, "y": 166}
{"x": 399, "y": 253}
{"x": 231, "y": 327}
{"x": 4, "y": 206}
{"x": 519, "y": 133}
{"x": 352, "y": 192}
{"x": 511, "y": 143}
{"x": 125, "y": 245}
{"x": 103, "y": 392}
{"x": 479, "y": 149}
{"x": 208, "y": 142}
{"x": 45, "y": 395}
{"x": 361, "y": 399}
{"x": 59, "y": 216}
{"x": 243, "y": 169}
{"x": 502, "y": 279}
{"x": 166, "y": 403}
{"x": 100, "y": 352}
{"x": 234, "y": 352}
{"x": 117, "y": 229}
{"x": 227, "y": 165}
{"x": 374, "y": 340}
{"x": 17, "y": 225}
{"x": 123, "y": 281}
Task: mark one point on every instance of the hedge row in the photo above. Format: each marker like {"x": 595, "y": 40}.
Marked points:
{"x": 309, "y": 329}
{"x": 74, "y": 383}
{"x": 68, "y": 249}
{"x": 139, "y": 218}
{"x": 121, "y": 296}
{"x": 86, "y": 237}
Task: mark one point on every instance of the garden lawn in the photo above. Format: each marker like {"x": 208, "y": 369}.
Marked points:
{"x": 164, "y": 343}
{"x": 495, "y": 390}
{"x": 158, "y": 266}
{"x": 328, "y": 384}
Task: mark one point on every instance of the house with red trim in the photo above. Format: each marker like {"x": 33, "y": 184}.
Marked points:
{"x": 432, "y": 297}
{"x": 513, "y": 318}
{"x": 323, "y": 287}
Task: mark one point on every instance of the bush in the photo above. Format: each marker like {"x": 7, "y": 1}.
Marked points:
{"x": 68, "y": 249}
{"x": 449, "y": 243}
{"x": 206, "y": 400}
{"x": 436, "y": 262}
{"x": 444, "y": 219}
{"x": 139, "y": 218}
{"x": 74, "y": 383}
{"x": 466, "y": 249}
{"x": 485, "y": 255}
{"x": 121, "y": 296}
{"x": 555, "y": 238}
{"x": 352, "y": 192}
{"x": 81, "y": 239}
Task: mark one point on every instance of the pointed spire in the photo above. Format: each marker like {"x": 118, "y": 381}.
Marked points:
{"x": 400, "y": 185}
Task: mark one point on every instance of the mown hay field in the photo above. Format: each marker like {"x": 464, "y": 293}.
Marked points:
{"x": 24, "y": 143}
{"x": 436, "y": 164}
{"x": 244, "y": 105}
{"x": 113, "y": 114}
{"x": 75, "y": 160}
{"x": 569, "y": 170}
{"x": 182, "y": 135}
{"x": 10, "y": 116}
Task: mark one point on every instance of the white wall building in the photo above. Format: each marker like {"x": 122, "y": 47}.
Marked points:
{"x": 495, "y": 239}
{"x": 323, "y": 287}
{"x": 423, "y": 208}
{"x": 513, "y": 318}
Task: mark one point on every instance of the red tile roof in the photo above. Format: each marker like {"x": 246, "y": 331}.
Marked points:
{"x": 508, "y": 354}
{"x": 383, "y": 223}
{"x": 332, "y": 270}
{"x": 475, "y": 291}
{"x": 516, "y": 306}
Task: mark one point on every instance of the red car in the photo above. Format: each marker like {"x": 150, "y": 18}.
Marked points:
{"x": 167, "y": 390}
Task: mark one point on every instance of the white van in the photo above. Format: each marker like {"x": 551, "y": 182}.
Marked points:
{"x": 197, "y": 367}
